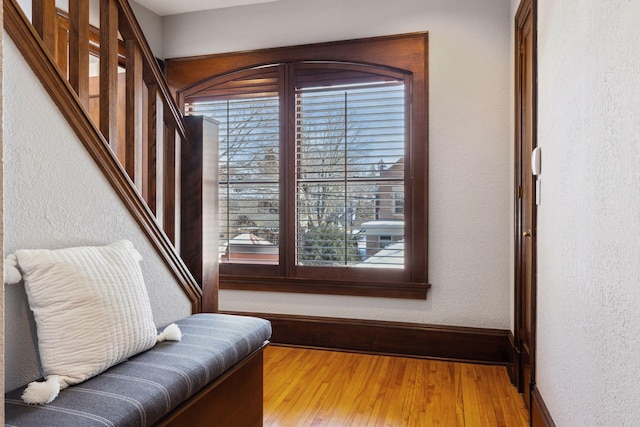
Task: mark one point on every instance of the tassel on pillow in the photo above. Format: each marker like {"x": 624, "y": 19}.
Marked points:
{"x": 43, "y": 392}
{"x": 11, "y": 273}
{"x": 170, "y": 333}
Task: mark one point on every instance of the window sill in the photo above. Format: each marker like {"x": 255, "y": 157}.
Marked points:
{"x": 401, "y": 290}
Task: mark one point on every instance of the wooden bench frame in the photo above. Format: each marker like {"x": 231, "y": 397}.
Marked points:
{"x": 234, "y": 399}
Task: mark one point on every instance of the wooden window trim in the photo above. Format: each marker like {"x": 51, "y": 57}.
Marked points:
{"x": 402, "y": 53}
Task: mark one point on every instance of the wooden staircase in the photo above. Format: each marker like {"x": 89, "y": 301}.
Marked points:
{"x": 130, "y": 124}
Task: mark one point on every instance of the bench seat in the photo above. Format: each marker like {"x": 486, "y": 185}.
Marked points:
{"x": 148, "y": 386}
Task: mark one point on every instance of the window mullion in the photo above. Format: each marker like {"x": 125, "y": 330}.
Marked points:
{"x": 287, "y": 174}
{"x": 228, "y": 186}
{"x": 346, "y": 184}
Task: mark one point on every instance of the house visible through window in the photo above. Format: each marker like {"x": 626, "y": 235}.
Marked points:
{"x": 316, "y": 160}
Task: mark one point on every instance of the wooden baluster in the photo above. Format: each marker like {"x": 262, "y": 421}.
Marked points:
{"x": 156, "y": 153}
{"x": 79, "y": 49}
{"x": 62, "y": 44}
{"x": 177, "y": 171}
{"x": 145, "y": 143}
{"x": 109, "y": 72}
{"x": 44, "y": 21}
{"x": 169, "y": 181}
{"x": 151, "y": 142}
{"x": 160, "y": 153}
{"x": 133, "y": 142}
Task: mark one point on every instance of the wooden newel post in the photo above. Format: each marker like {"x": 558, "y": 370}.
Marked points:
{"x": 199, "y": 202}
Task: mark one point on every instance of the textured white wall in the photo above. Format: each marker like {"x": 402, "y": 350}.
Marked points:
{"x": 589, "y": 220}
{"x": 469, "y": 141}
{"x": 55, "y": 196}
{"x": 151, "y": 25}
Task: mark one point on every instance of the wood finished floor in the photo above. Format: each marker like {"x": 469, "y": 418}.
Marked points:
{"x": 305, "y": 387}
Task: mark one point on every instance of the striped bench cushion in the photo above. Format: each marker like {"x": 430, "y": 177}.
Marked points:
{"x": 141, "y": 390}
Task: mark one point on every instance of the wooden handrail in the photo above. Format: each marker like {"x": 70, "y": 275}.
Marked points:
{"x": 136, "y": 165}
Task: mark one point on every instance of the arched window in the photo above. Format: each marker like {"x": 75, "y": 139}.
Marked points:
{"x": 322, "y": 173}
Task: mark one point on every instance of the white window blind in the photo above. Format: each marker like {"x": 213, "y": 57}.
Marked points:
{"x": 349, "y": 184}
{"x": 249, "y": 176}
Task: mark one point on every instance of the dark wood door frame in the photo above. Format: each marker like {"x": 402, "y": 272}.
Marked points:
{"x": 527, "y": 10}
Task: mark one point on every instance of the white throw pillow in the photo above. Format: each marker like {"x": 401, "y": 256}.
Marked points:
{"x": 91, "y": 310}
